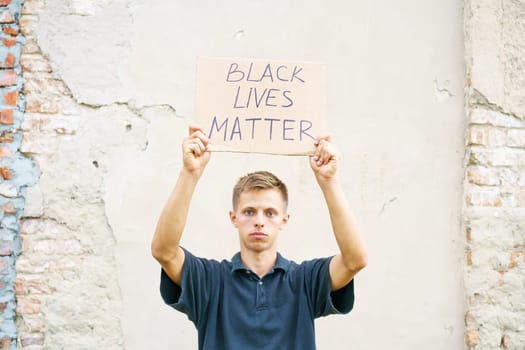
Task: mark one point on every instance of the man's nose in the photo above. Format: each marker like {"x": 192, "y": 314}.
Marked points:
{"x": 259, "y": 220}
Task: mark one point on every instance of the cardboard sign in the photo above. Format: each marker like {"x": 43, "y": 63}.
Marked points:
{"x": 260, "y": 106}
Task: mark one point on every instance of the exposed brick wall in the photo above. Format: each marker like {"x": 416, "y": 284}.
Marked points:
{"x": 494, "y": 215}
{"x": 16, "y": 171}
{"x": 67, "y": 282}
{"x": 54, "y": 256}
{"x": 66, "y": 287}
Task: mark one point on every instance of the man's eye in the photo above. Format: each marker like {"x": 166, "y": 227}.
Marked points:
{"x": 270, "y": 213}
{"x": 248, "y": 212}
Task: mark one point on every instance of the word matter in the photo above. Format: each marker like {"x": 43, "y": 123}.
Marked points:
{"x": 262, "y": 128}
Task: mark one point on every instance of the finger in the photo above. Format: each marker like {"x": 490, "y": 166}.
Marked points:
{"x": 320, "y": 152}
{"x": 195, "y": 149}
{"x": 200, "y": 144}
{"x": 193, "y": 128}
{"x": 193, "y": 144}
{"x": 318, "y": 148}
{"x": 327, "y": 152}
{"x": 325, "y": 137}
{"x": 199, "y": 135}
{"x": 313, "y": 162}
{"x": 317, "y": 152}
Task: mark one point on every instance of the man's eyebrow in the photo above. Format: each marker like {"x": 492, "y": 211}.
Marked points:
{"x": 263, "y": 208}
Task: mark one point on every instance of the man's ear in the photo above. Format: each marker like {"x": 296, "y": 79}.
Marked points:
{"x": 286, "y": 217}
{"x": 233, "y": 218}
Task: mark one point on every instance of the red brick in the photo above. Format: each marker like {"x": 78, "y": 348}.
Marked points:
{"x": 505, "y": 339}
{"x": 34, "y": 63}
{"x": 469, "y": 257}
{"x": 7, "y": 116}
{"x": 35, "y": 323}
{"x": 514, "y": 256}
{"x": 483, "y": 176}
{"x": 9, "y": 208}
{"x": 7, "y": 136}
{"x": 37, "y": 143}
{"x": 6, "y": 16}
{"x": 5, "y": 173}
{"x": 28, "y": 24}
{"x": 45, "y": 83}
{"x": 504, "y": 156}
{"x": 472, "y": 338}
{"x": 35, "y": 226}
{"x": 33, "y": 339}
{"x": 11, "y": 98}
{"x": 32, "y": 6}
{"x": 484, "y": 199}
{"x": 25, "y": 305}
{"x": 5, "y": 2}
{"x": 5, "y": 343}
{"x": 19, "y": 286}
{"x": 38, "y": 103}
{"x": 487, "y": 136}
{"x": 6, "y": 248}
{"x": 5, "y": 152}
{"x": 31, "y": 46}
{"x": 10, "y": 61}
{"x": 8, "y": 78}
{"x": 8, "y": 42}
{"x": 3, "y": 264}
{"x": 469, "y": 318}
{"x": 33, "y": 287}
{"x": 58, "y": 247}
{"x": 10, "y": 30}
{"x": 27, "y": 266}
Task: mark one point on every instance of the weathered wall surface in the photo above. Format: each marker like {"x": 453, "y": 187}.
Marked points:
{"x": 67, "y": 284}
{"x": 109, "y": 90}
{"x": 495, "y": 176}
{"x": 16, "y": 171}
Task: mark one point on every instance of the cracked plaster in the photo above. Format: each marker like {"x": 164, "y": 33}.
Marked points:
{"x": 129, "y": 65}
{"x": 495, "y": 49}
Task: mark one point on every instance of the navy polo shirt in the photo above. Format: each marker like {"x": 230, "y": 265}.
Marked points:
{"x": 233, "y": 309}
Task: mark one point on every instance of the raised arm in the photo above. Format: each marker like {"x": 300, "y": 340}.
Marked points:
{"x": 353, "y": 255}
{"x": 165, "y": 244}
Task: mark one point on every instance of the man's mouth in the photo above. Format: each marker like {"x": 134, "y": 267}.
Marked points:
{"x": 258, "y": 234}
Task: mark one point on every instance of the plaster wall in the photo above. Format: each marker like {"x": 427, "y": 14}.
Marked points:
{"x": 494, "y": 215}
{"x": 395, "y": 107}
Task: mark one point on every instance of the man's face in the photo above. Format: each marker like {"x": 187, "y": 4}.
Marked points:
{"x": 259, "y": 217}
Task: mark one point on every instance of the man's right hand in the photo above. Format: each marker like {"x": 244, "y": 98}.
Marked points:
{"x": 165, "y": 244}
{"x": 194, "y": 153}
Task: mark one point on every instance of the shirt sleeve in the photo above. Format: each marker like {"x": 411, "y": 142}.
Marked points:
{"x": 323, "y": 301}
{"x": 193, "y": 295}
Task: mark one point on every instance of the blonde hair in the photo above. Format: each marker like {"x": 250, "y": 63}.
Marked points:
{"x": 259, "y": 180}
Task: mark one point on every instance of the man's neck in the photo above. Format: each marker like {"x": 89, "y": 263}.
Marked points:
{"x": 259, "y": 262}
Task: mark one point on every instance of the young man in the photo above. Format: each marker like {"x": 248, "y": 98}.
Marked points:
{"x": 258, "y": 300}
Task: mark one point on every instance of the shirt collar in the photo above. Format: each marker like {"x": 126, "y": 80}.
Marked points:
{"x": 281, "y": 263}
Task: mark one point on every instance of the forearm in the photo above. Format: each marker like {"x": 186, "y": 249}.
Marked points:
{"x": 347, "y": 235}
{"x": 170, "y": 226}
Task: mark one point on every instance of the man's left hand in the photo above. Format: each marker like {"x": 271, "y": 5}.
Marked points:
{"x": 325, "y": 159}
